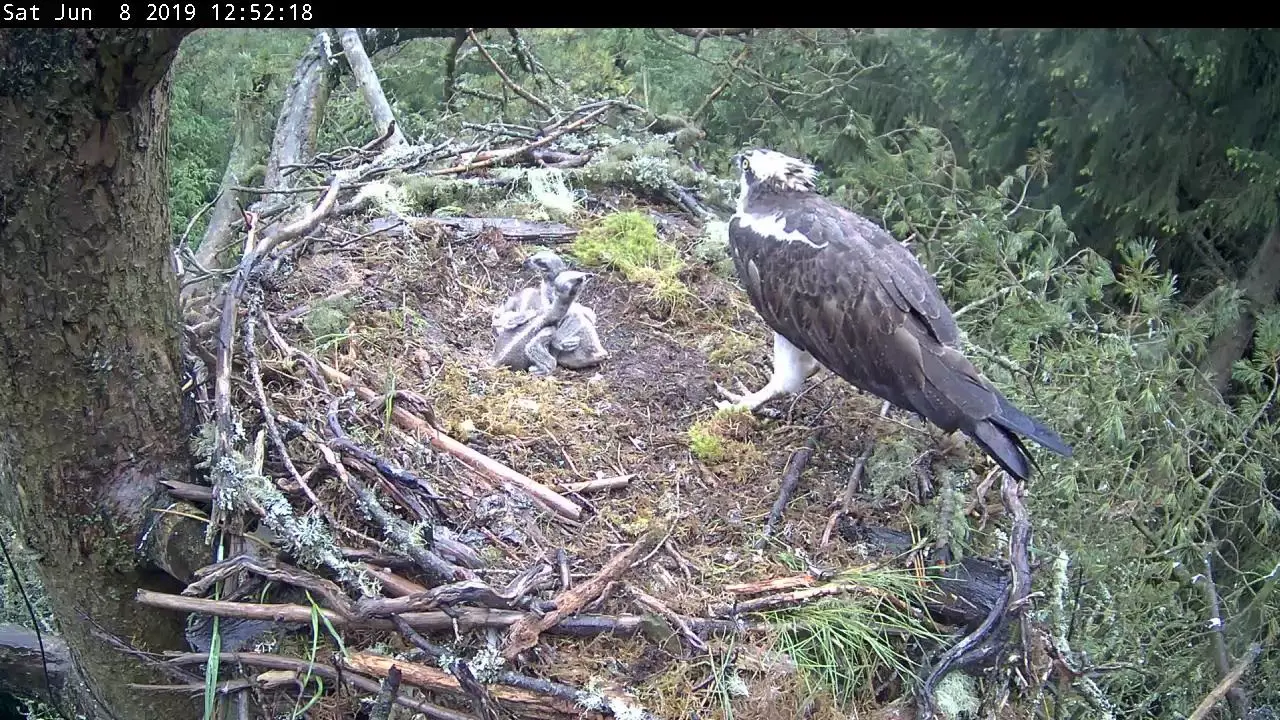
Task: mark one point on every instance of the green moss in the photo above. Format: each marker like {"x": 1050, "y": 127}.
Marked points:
{"x": 329, "y": 318}
{"x": 721, "y": 436}
{"x": 425, "y": 194}
{"x": 628, "y": 242}
{"x": 705, "y": 444}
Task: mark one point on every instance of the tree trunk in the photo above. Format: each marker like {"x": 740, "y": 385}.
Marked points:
{"x": 89, "y": 341}
{"x": 1258, "y": 288}
{"x": 369, "y": 85}
{"x": 248, "y": 150}
{"x": 299, "y": 121}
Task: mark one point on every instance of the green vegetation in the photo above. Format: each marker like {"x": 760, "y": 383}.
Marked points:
{"x": 1097, "y": 206}
{"x": 840, "y": 644}
{"x": 628, "y": 242}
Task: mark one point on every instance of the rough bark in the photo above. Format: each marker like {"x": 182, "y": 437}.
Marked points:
{"x": 1258, "y": 287}
{"x": 370, "y": 86}
{"x": 299, "y": 122}
{"x": 89, "y": 344}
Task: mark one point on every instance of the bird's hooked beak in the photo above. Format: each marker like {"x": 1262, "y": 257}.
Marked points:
{"x": 737, "y": 161}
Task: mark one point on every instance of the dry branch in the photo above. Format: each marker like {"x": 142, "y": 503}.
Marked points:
{"x": 390, "y": 689}
{"x": 397, "y": 529}
{"x": 539, "y": 493}
{"x": 518, "y": 151}
{"x": 528, "y": 704}
{"x": 370, "y": 87}
{"x": 506, "y": 79}
{"x": 456, "y": 594}
{"x": 790, "y": 480}
{"x": 524, "y": 634}
{"x": 462, "y": 619}
{"x": 516, "y": 230}
{"x": 254, "y": 252}
{"x": 1224, "y": 686}
{"x": 301, "y": 668}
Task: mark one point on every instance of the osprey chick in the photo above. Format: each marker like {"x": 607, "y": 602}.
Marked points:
{"x": 524, "y": 305}
{"x": 576, "y": 344}
{"x": 840, "y": 292}
{"x": 528, "y": 346}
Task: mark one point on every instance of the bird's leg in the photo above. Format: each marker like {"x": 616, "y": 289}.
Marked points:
{"x": 791, "y": 367}
{"x": 539, "y": 352}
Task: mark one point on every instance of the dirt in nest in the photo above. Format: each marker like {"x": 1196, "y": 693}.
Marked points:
{"x": 405, "y": 310}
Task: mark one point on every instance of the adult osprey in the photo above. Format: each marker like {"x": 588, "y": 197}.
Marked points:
{"x": 840, "y": 292}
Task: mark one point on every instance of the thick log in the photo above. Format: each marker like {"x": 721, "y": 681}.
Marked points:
{"x": 967, "y": 590}
{"x": 22, "y": 667}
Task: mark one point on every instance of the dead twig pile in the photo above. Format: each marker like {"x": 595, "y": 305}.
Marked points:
{"x": 390, "y": 514}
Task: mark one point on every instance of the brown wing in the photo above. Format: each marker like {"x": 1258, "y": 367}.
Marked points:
{"x": 863, "y": 306}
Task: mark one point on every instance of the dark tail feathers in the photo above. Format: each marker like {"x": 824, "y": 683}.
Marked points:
{"x": 998, "y": 437}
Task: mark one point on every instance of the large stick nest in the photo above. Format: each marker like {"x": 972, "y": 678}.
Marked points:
{"x": 483, "y": 541}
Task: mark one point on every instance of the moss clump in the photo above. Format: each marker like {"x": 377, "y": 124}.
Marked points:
{"x": 712, "y": 248}
{"x": 727, "y": 347}
{"x": 705, "y": 444}
{"x": 329, "y": 318}
{"x": 628, "y": 242}
{"x": 425, "y": 194}
{"x": 721, "y": 436}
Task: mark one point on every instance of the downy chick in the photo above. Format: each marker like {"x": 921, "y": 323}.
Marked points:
{"x": 576, "y": 343}
{"x": 523, "y": 306}
{"x": 528, "y": 346}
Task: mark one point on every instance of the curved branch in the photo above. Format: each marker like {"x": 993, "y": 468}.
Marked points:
{"x": 533, "y": 99}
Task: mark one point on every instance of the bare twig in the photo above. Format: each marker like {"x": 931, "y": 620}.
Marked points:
{"x": 524, "y": 634}
{"x": 657, "y": 606}
{"x": 790, "y": 480}
{"x": 1224, "y": 686}
{"x": 506, "y": 79}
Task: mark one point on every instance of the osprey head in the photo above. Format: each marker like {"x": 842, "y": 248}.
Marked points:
{"x": 546, "y": 263}
{"x": 777, "y": 172}
{"x": 568, "y": 284}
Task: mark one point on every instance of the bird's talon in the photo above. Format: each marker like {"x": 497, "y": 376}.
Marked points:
{"x": 728, "y": 395}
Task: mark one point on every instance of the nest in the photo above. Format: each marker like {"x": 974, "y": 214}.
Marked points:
{"x": 469, "y": 541}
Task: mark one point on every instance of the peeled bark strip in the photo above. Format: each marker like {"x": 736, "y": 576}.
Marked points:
{"x": 304, "y": 101}
{"x": 370, "y": 87}
{"x": 248, "y": 150}
{"x": 90, "y": 419}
